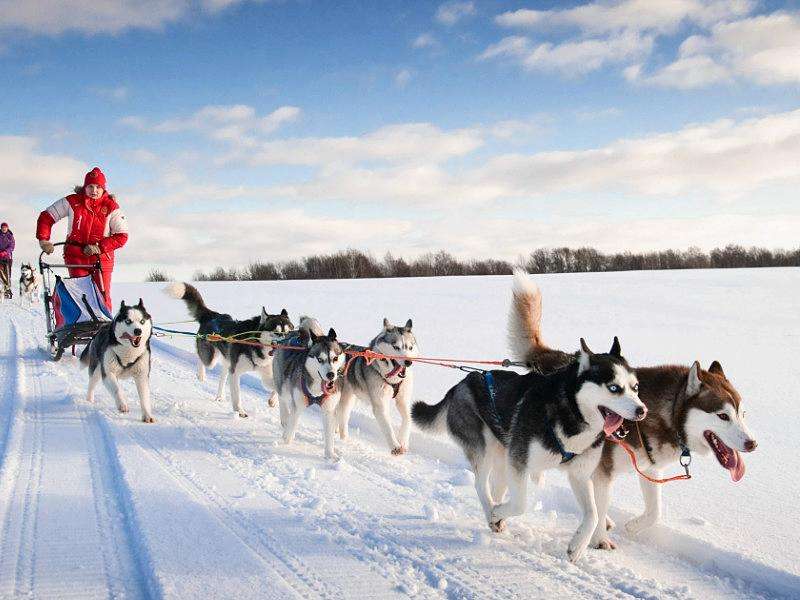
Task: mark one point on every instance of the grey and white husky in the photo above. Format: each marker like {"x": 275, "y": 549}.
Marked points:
{"x": 121, "y": 350}
{"x": 237, "y": 359}
{"x": 28, "y": 283}
{"x": 309, "y": 375}
{"x": 691, "y": 412}
{"x": 513, "y": 427}
{"x": 383, "y": 382}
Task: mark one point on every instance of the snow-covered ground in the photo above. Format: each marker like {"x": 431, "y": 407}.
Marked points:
{"x": 97, "y": 504}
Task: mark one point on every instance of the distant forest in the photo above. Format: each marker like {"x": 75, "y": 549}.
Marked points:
{"x": 355, "y": 264}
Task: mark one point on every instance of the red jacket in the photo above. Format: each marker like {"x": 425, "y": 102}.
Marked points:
{"x": 90, "y": 221}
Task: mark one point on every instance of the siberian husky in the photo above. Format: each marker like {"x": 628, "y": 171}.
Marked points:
{"x": 512, "y": 427}
{"x": 121, "y": 350}
{"x": 383, "y": 382}
{"x": 691, "y": 412}
{"x": 28, "y": 283}
{"x": 309, "y": 375}
{"x": 237, "y": 359}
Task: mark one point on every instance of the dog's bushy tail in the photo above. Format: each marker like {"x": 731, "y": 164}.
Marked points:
{"x": 525, "y": 327}
{"x": 525, "y": 317}
{"x": 431, "y": 417}
{"x": 194, "y": 301}
{"x": 310, "y": 324}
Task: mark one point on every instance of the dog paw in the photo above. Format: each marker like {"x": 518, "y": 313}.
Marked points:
{"x": 605, "y": 544}
{"x": 639, "y": 524}
{"x": 399, "y": 450}
{"x": 574, "y": 554}
{"x": 218, "y": 398}
{"x": 123, "y": 408}
{"x": 610, "y": 524}
{"x": 272, "y": 402}
{"x": 498, "y": 526}
{"x": 148, "y": 419}
{"x": 242, "y": 414}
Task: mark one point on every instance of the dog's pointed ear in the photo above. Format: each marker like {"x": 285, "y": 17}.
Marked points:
{"x": 584, "y": 357}
{"x": 409, "y": 324}
{"x": 122, "y": 306}
{"x": 716, "y": 369}
{"x": 141, "y": 304}
{"x": 616, "y": 350}
{"x": 332, "y": 334}
{"x": 284, "y": 313}
{"x": 386, "y": 324}
{"x": 693, "y": 382}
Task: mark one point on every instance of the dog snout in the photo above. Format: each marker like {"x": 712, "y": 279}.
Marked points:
{"x": 641, "y": 412}
{"x": 137, "y": 331}
{"x": 331, "y": 375}
{"x": 750, "y": 445}
{"x": 408, "y": 363}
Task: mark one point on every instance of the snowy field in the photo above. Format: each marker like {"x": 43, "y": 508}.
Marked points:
{"x": 203, "y": 504}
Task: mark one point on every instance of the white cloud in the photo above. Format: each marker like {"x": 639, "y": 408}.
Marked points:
{"x": 425, "y": 40}
{"x": 53, "y": 17}
{"x": 25, "y": 170}
{"x": 404, "y": 143}
{"x": 763, "y": 49}
{"x": 403, "y": 77}
{"x": 629, "y": 15}
{"x": 451, "y": 13}
{"x": 572, "y": 57}
{"x": 237, "y": 123}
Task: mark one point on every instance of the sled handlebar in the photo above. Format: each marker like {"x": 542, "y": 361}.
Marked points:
{"x": 44, "y": 265}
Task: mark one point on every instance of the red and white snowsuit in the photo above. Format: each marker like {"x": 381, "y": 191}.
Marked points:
{"x": 90, "y": 221}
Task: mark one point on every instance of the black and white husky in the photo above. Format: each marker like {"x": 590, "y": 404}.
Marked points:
{"x": 28, "y": 283}
{"x": 512, "y": 427}
{"x": 237, "y": 359}
{"x": 383, "y": 382}
{"x": 121, "y": 350}
{"x": 309, "y": 375}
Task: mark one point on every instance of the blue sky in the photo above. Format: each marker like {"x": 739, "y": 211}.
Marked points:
{"x": 240, "y": 130}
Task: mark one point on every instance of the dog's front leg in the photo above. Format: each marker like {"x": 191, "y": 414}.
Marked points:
{"x": 112, "y": 385}
{"x": 236, "y": 393}
{"x": 329, "y": 426}
{"x": 583, "y": 488}
{"x": 381, "y": 413}
{"x": 602, "y": 496}
{"x": 143, "y": 388}
{"x": 517, "y": 478}
{"x": 652, "y": 508}
{"x": 402, "y": 403}
{"x": 343, "y": 413}
{"x": 223, "y": 379}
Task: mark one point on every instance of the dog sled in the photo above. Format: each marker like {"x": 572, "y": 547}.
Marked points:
{"x": 73, "y": 306}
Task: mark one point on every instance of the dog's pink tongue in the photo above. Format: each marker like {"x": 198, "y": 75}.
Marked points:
{"x": 611, "y": 423}
{"x": 737, "y": 471}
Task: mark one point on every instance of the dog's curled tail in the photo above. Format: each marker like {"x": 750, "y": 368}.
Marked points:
{"x": 310, "y": 324}
{"x": 525, "y": 317}
{"x": 191, "y": 296}
{"x": 431, "y": 417}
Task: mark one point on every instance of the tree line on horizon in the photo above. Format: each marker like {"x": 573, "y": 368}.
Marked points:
{"x": 356, "y": 264}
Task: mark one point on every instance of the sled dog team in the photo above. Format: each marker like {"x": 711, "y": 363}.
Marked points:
{"x": 512, "y": 427}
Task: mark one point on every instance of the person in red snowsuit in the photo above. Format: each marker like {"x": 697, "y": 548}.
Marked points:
{"x": 96, "y": 227}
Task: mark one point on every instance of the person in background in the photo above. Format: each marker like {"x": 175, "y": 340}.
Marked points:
{"x": 97, "y": 227}
{"x": 6, "y": 259}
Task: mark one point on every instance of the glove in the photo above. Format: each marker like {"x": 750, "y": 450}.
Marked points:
{"x": 90, "y": 249}
{"x": 47, "y": 246}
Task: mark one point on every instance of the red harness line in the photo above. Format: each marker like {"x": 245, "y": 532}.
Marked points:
{"x": 635, "y": 464}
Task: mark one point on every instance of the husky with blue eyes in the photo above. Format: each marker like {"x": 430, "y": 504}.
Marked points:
{"x": 383, "y": 382}
{"x": 309, "y": 375}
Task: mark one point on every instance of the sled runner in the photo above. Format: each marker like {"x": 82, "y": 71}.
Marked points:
{"x": 73, "y": 306}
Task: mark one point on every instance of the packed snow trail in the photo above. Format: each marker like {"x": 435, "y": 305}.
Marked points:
{"x": 94, "y": 503}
